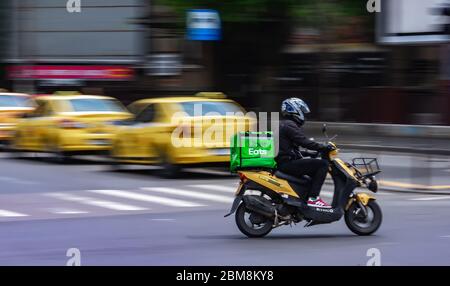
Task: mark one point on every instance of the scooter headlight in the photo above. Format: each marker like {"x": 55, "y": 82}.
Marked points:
{"x": 373, "y": 186}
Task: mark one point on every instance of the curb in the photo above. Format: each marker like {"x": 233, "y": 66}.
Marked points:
{"x": 414, "y": 191}
{"x": 408, "y": 150}
{"x": 405, "y": 191}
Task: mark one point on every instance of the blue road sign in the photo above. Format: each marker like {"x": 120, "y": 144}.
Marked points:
{"x": 203, "y": 25}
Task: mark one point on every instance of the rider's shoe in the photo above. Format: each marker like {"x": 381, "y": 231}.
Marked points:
{"x": 318, "y": 203}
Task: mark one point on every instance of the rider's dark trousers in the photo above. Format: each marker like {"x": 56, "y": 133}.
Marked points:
{"x": 315, "y": 168}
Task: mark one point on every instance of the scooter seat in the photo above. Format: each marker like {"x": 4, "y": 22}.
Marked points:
{"x": 302, "y": 180}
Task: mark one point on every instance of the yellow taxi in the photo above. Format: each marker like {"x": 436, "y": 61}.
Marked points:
{"x": 65, "y": 125}
{"x": 176, "y": 132}
{"x": 12, "y": 107}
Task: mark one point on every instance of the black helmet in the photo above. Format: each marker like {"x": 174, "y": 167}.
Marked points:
{"x": 295, "y": 108}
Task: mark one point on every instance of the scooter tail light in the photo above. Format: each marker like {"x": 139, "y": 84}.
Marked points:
{"x": 242, "y": 177}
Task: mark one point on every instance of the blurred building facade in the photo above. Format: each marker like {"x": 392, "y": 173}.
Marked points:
{"x": 137, "y": 48}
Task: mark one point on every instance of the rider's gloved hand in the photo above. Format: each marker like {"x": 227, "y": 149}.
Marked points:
{"x": 330, "y": 147}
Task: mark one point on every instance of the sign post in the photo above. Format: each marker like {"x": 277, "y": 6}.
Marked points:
{"x": 204, "y": 25}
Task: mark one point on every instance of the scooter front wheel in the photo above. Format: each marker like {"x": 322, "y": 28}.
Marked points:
{"x": 252, "y": 224}
{"x": 364, "y": 223}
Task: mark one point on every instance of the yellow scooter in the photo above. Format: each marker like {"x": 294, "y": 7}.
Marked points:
{"x": 269, "y": 199}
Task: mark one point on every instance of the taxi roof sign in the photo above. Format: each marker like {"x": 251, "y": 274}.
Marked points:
{"x": 61, "y": 92}
{"x": 214, "y": 95}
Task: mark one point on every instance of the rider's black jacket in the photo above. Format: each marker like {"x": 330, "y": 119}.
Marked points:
{"x": 291, "y": 138}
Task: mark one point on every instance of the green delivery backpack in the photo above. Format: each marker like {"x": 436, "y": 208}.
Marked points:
{"x": 252, "y": 150}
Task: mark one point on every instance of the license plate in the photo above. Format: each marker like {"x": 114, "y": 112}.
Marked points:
{"x": 99, "y": 142}
{"x": 221, "y": 152}
{"x": 5, "y": 133}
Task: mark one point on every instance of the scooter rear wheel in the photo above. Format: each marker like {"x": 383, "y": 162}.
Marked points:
{"x": 245, "y": 225}
{"x": 360, "y": 224}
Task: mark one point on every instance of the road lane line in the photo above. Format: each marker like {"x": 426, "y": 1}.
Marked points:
{"x": 431, "y": 198}
{"x": 216, "y": 188}
{"x": 95, "y": 202}
{"x": 197, "y": 195}
{"x": 5, "y": 213}
{"x": 66, "y": 211}
{"x": 147, "y": 198}
{"x": 17, "y": 181}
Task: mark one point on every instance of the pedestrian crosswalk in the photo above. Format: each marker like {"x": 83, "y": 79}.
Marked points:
{"x": 114, "y": 201}
{"x": 145, "y": 199}
{"x": 95, "y": 202}
{"x": 5, "y": 213}
{"x": 219, "y": 188}
{"x": 192, "y": 194}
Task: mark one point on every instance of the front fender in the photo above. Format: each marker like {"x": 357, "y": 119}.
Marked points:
{"x": 363, "y": 198}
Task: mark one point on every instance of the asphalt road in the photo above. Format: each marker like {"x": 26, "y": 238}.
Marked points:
{"x": 134, "y": 217}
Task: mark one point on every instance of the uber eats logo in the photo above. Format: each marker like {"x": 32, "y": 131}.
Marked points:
{"x": 253, "y": 151}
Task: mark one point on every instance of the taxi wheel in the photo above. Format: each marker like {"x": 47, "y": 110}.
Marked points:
{"x": 4, "y": 146}
{"x": 57, "y": 155}
{"x": 169, "y": 170}
{"x": 114, "y": 163}
{"x": 60, "y": 157}
{"x": 15, "y": 152}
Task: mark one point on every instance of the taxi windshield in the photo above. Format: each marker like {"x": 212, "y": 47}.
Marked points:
{"x": 13, "y": 101}
{"x": 202, "y": 108}
{"x": 96, "y": 105}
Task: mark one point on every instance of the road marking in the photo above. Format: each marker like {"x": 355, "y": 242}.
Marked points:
{"x": 216, "y": 188}
{"x": 17, "y": 181}
{"x": 413, "y": 186}
{"x": 197, "y": 195}
{"x": 163, "y": 219}
{"x": 95, "y": 202}
{"x": 445, "y": 236}
{"x": 147, "y": 198}
{"x": 67, "y": 211}
{"x": 6, "y": 213}
{"x": 430, "y": 198}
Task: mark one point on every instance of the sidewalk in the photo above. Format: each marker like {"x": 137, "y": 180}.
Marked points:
{"x": 385, "y": 137}
{"x": 413, "y": 158}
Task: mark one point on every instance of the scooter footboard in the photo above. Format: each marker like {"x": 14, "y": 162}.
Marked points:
{"x": 323, "y": 215}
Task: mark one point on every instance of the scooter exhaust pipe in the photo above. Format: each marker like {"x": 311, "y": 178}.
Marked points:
{"x": 260, "y": 206}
